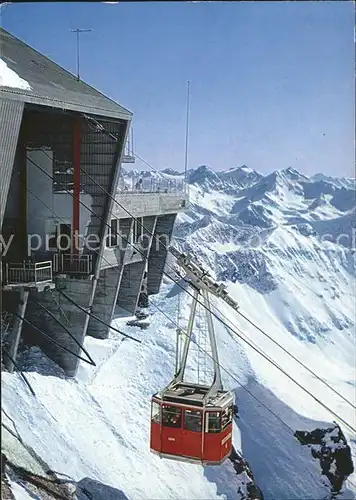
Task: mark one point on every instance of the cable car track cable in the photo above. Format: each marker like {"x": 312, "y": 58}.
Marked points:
{"x": 53, "y": 341}
{"x": 62, "y": 293}
{"x": 98, "y": 319}
{"x": 236, "y": 333}
{"x": 221, "y": 366}
{"x": 287, "y": 352}
{"x": 145, "y": 257}
{"x": 208, "y": 353}
{"x": 63, "y": 220}
{"x": 198, "y": 302}
{"x": 82, "y": 348}
{"x": 22, "y": 375}
{"x": 275, "y": 364}
{"x": 228, "y": 372}
{"x": 87, "y": 312}
{"x": 318, "y": 377}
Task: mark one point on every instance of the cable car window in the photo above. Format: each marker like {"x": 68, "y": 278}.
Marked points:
{"x": 213, "y": 421}
{"x": 156, "y": 412}
{"x": 192, "y": 420}
{"x": 226, "y": 417}
{"x": 171, "y": 416}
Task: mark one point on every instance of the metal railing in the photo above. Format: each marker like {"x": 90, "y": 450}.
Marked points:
{"x": 73, "y": 264}
{"x": 27, "y": 272}
{"x": 139, "y": 184}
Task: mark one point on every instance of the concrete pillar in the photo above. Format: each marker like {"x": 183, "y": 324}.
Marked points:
{"x": 104, "y": 300}
{"x": 143, "y": 297}
{"x": 158, "y": 254}
{"x": 108, "y": 285}
{"x": 15, "y": 334}
{"x": 73, "y": 318}
{"x": 131, "y": 281}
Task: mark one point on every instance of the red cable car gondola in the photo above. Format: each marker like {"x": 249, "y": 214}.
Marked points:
{"x": 184, "y": 428}
{"x": 193, "y": 422}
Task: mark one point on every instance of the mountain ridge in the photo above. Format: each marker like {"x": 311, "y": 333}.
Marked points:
{"x": 275, "y": 241}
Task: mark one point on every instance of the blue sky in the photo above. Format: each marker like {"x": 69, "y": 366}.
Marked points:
{"x": 272, "y": 84}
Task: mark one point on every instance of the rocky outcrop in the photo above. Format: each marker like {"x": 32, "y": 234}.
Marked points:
{"x": 248, "y": 490}
{"x": 45, "y": 487}
{"x": 330, "y": 447}
{"x": 53, "y": 485}
{"x": 246, "y": 266}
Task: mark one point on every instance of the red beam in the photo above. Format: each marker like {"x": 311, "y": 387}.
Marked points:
{"x": 76, "y": 184}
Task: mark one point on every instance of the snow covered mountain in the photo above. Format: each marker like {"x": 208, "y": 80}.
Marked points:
{"x": 285, "y": 246}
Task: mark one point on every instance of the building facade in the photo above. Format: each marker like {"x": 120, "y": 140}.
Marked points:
{"x": 74, "y": 249}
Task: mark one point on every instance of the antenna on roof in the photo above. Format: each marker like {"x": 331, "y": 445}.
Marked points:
{"x": 186, "y": 136}
{"x": 77, "y": 31}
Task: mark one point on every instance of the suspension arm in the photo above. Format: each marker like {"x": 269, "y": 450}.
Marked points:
{"x": 201, "y": 279}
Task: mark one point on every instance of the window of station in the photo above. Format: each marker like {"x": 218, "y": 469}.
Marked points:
{"x": 192, "y": 420}
{"x": 51, "y": 227}
{"x": 156, "y": 413}
{"x": 137, "y": 229}
{"x": 212, "y": 422}
{"x": 52, "y": 239}
{"x": 113, "y": 233}
{"x": 63, "y": 174}
{"x": 65, "y": 237}
{"x": 226, "y": 417}
{"x": 171, "y": 416}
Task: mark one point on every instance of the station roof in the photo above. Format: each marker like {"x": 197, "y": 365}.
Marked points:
{"x": 28, "y": 76}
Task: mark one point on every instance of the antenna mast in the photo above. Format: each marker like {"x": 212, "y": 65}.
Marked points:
{"x": 77, "y": 31}
{"x": 186, "y": 136}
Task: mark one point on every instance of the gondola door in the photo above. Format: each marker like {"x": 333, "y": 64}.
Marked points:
{"x": 192, "y": 433}
{"x": 171, "y": 437}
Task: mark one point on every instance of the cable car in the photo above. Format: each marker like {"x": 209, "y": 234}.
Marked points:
{"x": 192, "y": 422}
{"x": 186, "y": 429}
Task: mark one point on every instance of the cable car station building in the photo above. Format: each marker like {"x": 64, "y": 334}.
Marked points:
{"x": 73, "y": 248}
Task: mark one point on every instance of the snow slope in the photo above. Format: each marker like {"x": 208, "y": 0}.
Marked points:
{"x": 291, "y": 265}
{"x": 19, "y": 491}
{"x": 296, "y": 286}
{"x": 97, "y": 426}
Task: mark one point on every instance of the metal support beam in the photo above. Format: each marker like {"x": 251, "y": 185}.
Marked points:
{"x": 217, "y": 385}
{"x": 76, "y": 185}
{"x": 180, "y": 374}
{"x": 15, "y": 335}
{"x": 121, "y": 271}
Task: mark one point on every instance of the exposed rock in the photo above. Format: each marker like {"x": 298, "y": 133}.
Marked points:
{"x": 171, "y": 171}
{"x": 250, "y": 267}
{"x": 46, "y": 488}
{"x": 256, "y": 215}
{"x": 6, "y": 493}
{"x": 54, "y": 486}
{"x": 305, "y": 229}
{"x": 240, "y": 177}
{"x": 205, "y": 176}
{"x": 242, "y": 468}
{"x": 331, "y": 448}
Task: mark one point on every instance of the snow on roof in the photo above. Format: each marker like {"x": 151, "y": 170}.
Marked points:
{"x": 9, "y": 78}
{"x": 50, "y": 84}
